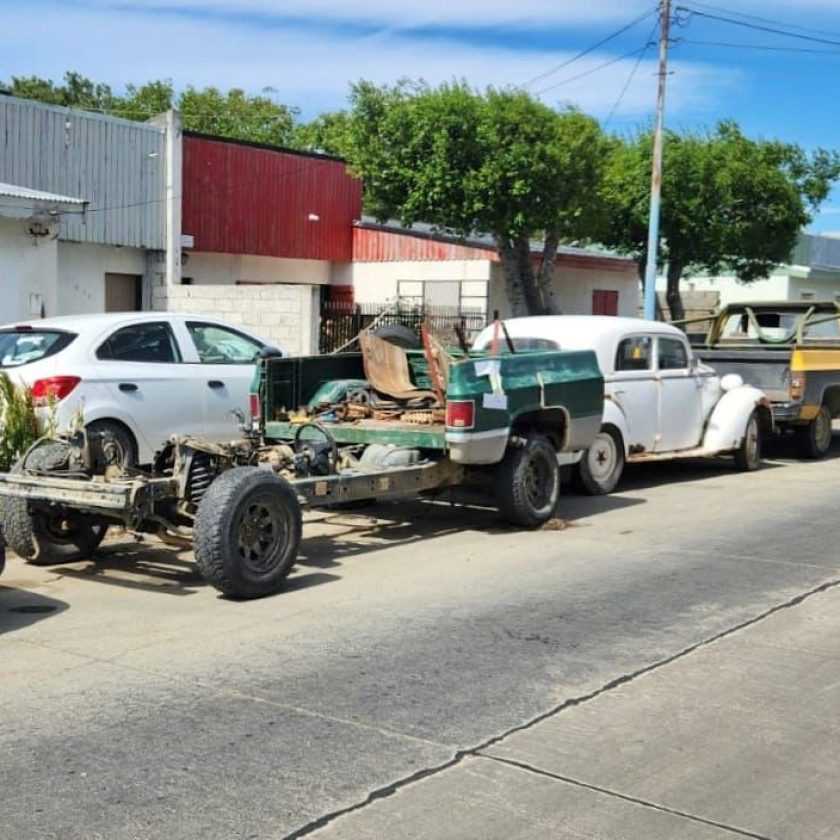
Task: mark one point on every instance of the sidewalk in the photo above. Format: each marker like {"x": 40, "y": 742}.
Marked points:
{"x": 738, "y": 738}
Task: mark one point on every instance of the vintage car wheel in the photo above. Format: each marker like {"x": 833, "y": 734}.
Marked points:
{"x": 247, "y": 531}
{"x": 45, "y": 538}
{"x": 748, "y": 454}
{"x": 814, "y": 440}
{"x": 529, "y": 483}
{"x": 602, "y": 465}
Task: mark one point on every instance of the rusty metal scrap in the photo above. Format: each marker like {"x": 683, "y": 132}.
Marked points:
{"x": 386, "y": 369}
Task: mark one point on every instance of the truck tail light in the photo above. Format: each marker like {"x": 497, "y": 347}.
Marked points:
{"x": 797, "y": 386}
{"x": 254, "y": 405}
{"x": 460, "y": 414}
{"x": 53, "y": 388}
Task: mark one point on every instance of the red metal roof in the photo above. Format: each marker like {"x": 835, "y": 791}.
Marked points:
{"x": 241, "y": 198}
{"x": 375, "y": 244}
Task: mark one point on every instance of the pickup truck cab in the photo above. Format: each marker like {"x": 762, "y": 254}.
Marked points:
{"x": 660, "y": 402}
{"x": 791, "y": 350}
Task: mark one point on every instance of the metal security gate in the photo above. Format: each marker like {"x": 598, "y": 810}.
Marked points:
{"x": 341, "y": 321}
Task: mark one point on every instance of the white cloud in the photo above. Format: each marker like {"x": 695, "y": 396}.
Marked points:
{"x": 314, "y": 73}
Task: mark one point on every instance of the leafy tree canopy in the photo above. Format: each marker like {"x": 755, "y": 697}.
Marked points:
{"x": 728, "y": 202}
{"x": 497, "y": 163}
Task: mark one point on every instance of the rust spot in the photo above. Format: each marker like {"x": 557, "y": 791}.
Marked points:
{"x": 636, "y": 448}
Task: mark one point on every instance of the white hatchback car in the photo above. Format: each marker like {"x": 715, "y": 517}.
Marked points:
{"x": 660, "y": 402}
{"x": 135, "y": 377}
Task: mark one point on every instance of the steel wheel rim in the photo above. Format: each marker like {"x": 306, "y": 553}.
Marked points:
{"x": 602, "y": 457}
{"x": 538, "y": 482}
{"x": 751, "y": 441}
{"x": 261, "y": 533}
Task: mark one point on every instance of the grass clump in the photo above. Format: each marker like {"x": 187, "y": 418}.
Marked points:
{"x": 18, "y": 422}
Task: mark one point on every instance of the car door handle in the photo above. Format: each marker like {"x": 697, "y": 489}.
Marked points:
{"x": 127, "y": 386}
{"x": 618, "y": 391}
{"x": 216, "y": 383}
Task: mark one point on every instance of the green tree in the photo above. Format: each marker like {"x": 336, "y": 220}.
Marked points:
{"x": 328, "y": 133}
{"x": 77, "y": 91}
{"x": 728, "y": 202}
{"x": 497, "y": 163}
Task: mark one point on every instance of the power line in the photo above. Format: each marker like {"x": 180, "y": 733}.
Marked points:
{"x": 617, "y": 102}
{"x": 758, "y": 27}
{"x": 759, "y": 47}
{"x": 764, "y": 20}
{"x": 588, "y": 50}
{"x": 592, "y": 70}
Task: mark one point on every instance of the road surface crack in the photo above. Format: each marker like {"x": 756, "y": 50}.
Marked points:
{"x": 478, "y": 750}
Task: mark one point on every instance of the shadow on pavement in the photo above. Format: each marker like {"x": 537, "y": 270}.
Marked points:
{"x": 20, "y": 607}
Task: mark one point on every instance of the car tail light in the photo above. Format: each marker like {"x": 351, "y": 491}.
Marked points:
{"x": 53, "y": 388}
{"x": 460, "y": 414}
{"x": 255, "y": 407}
{"x": 797, "y": 386}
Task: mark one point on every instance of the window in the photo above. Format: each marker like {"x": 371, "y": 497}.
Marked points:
{"x": 633, "y": 353}
{"x": 672, "y": 354}
{"x": 217, "y": 345}
{"x": 151, "y": 342}
{"x": 461, "y": 295}
{"x": 17, "y": 347}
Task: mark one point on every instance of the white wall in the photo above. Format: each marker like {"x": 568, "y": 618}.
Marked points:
{"x": 573, "y": 288}
{"x": 27, "y": 270}
{"x": 81, "y": 274}
{"x": 283, "y": 314}
{"x": 205, "y": 268}
{"x": 375, "y": 282}
{"x": 731, "y": 290}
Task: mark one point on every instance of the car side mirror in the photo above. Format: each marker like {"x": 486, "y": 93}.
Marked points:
{"x": 269, "y": 352}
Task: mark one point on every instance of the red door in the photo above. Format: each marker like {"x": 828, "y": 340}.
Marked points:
{"x": 604, "y": 302}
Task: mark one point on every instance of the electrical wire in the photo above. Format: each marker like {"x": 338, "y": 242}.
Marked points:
{"x": 759, "y": 47}
{"x": 617, "y": 102}
{"x": 592, "y": 70}
{"x": 763, "y": 19}
{"x": 588, "y": 50}
{"x": 758, "y": 27}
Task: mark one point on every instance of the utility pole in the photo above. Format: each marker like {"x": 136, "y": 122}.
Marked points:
{"x": 656, "y": 174}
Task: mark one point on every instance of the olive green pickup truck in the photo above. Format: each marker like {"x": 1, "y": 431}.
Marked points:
{"x": 325, "y": 430}
{"x": 791, "y": 351}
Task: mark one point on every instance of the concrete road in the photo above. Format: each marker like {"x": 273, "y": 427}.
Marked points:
{"x": 665, "y": 666}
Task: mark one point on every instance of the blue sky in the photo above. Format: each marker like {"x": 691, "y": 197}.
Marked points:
{"x": 774, "y": 85}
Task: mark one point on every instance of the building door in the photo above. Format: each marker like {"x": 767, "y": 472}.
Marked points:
{"x": 604, "y": 302}
{"x": 123, "y": 293}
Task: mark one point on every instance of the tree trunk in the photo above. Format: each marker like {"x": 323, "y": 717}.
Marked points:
{"x": 545, "y": 275}
{"x": 673, "y": 295}
{"x": 520, "y": 285}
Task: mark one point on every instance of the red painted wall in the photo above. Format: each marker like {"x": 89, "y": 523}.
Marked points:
{"x": 245, "y": 199}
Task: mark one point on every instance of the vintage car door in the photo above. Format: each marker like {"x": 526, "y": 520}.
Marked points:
{"x": 633, "y": 388}
{"x": 681, "y": 386}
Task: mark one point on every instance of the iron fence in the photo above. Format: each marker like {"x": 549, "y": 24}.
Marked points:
{"x": 341, "y": 322}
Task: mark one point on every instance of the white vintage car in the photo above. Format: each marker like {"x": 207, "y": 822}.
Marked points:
{"x": 660, "y": 402}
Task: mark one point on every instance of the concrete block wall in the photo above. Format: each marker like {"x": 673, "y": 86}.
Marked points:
{"x": 284, "y": 314}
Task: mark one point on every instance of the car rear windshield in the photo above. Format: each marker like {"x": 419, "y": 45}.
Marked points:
{"x": 21, "y": 346}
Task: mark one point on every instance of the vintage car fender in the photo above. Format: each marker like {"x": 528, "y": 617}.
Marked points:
{"x": 728, "y": 421}
{"x": 614, "y": 416}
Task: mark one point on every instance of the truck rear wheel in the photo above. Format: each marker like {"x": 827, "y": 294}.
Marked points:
{"x": 601, "y": 466}
{"x": 814, "y": 440}
{"x": 45, "y": 538}
{"x": 529, "y": 483}
{"x": 247, "y": 532}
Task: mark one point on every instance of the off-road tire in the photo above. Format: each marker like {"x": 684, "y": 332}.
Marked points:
{"x": 42, "y": 538}
{"x": 814, "y": 440}
{"x": 748, "y": 454}
{"x": 528, "y": 483}
{"x": 247, "y": 532}
{"x": 118, "y": 446}
{"x": 600, "y": 469}
{"x": 400, "y": 335}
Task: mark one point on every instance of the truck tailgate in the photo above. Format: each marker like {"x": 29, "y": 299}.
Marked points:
{"x": 768, "y": 370}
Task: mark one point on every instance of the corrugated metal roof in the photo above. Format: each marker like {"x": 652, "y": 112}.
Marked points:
{"x": 483, "y": 241}
{"x": 13, "y": 191}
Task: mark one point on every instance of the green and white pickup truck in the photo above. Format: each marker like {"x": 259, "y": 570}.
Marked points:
{"x": 325, "y": 430}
